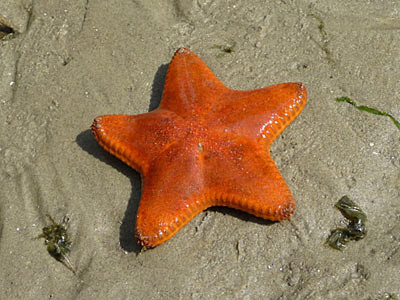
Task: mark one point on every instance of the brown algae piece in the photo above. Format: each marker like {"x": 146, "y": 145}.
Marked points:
{"x": 356, "y": 228}
{"x": 5, "y": 30}
{"x": 338, "y": 239}
{"x": 57, "y": 240}
{"x": 350, "y": 210}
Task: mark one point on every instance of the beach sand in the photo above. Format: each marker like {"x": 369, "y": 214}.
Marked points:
{"x": 71, "y": 61}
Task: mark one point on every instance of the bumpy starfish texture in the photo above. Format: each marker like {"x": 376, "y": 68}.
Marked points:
{"x": 205, "y": 145}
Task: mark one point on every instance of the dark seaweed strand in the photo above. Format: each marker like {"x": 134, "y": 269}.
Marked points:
{"x": 369, "y": 109}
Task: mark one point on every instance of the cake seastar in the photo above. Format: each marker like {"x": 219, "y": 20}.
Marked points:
{"x": 205, "y": 145}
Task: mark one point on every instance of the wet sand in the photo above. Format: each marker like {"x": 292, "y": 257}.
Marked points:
{"x": 74, "y": 60}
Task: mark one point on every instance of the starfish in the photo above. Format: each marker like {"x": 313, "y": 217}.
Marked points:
{"x": 205, "y": 145}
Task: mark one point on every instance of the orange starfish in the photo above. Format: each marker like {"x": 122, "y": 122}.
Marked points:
{"x": 205, "y": 145}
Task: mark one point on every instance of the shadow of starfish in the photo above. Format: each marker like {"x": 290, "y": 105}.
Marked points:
{"x": 127, "y": 237}
{"x": 86, "y": 141}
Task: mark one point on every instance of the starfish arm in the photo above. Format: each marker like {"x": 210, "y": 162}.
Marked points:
{"x": 261, "y": 114}
{"x": 172, "y": 195}
{"x": 136, "y": 140}
{"x": 191, "y": 88}
{"x": 243, "y": 176}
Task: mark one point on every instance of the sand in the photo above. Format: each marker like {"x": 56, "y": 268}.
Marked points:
{"x": 74, "y": 60}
